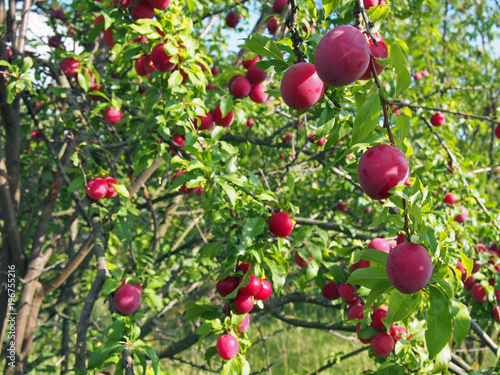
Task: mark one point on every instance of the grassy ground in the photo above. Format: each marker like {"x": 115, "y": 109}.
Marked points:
{"x": 293, "y": 350}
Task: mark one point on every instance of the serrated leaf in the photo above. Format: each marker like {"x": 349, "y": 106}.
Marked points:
{"x": 403, "y": 78}
{"x": 367, "y": 119}
{"x": 101, "y": 353}
{"x": 374, "y": 256}
{"x": 461, "y": 321}
{"x": 226, "y": 104}
{"x": 110, "y": 285}
{"x": 263, "y": 46}
{"x": 401, "y": 306}
{"x": 368, "y": 277}
{"x": 330, "y": 6}
{"x": 121, "y": 189}
{"x": 377, "y": 15}
{"x": 439, "y": 323}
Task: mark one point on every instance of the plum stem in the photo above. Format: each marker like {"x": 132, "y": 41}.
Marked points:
{"x": 361, "y": 16}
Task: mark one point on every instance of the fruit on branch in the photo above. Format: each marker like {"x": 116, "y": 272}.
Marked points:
{"x": 227, "y": 347}
{"x": 69, "y": 66}
{"x": 347, "y": 292}
{"x": 139, "y": 66}
{"x": 123, "y": 3}
{"x": 425, "y": 73}
{"x": 479, "y": 293}
{"x": 244, "y": 267}
{"x": 361, "y": 264}
{"x": 319, "y": 142}
{"x": 243, "y": 303}
{"x": 380, "y": 51}
{"x": 111, "y": 192}
{"x": 397, "y": 331}
{"x": 438, "y": 119}
{"x": 232, "y": 19}
{"x": 240, "y": 87}
{"x": 148, "y": 64}
{"x": 417, "y": 76}
{"x": 214, "y": 70}
{"x": 496, "y": 313}
{"x": 210, "y": 87}
{"x": 97, "y": 188}
{"x": 227, "y": 286}
{"x": 258, "y": 93}
{"x": 159, "y": 4}
{"x": 380, "y": 169}
{"x": 301, "y": 88}
{"x": 364, "y": 340}
{"x": 355, "y": 301}
{"x": 342, "y": 56}
{"x": 300, "y": 261}
{"x": 112, "y": 115}
{"x": 469, "y": 283}
{"x": 58, "y": 13}
{"x": 330, "y": 291}
{"x": 107, "y": 37}
{"x": 371, "y": 3}
{"x": 382, "y": 344}
{"x": 160, "y": 59}
{"x": 463, "y": 216}
{"x": 451, "y": 198}
{"x": 248, "y": 63}
{"x": 409, "y": 267}
{"x": 377, "y": 316}
{"x": 205, "y": 122}
{"x": 183, "y": 188}
{"x": 249, "y": 122}
{"x": 379, "y": 244}
{"x": 280, "y": 224}
{"x": 355, "y": 312}
{"x": 265, "y": 292}
{"x": 497, "y": 131}
{"x": 256, "y": 75}
{"x": 253, "y": 287}
{"x": 127, "y": 299}
{"x": 54, "y": 41}
{"x": 341, "y": 206}
{"x": 272, "y": 24}
{"x": 179, "y": 139}
{"x": 223, "y": 121}
{"x": 142, "y": 9}
{"x": 278, "y": 5}
{"x": 244, "y": 324}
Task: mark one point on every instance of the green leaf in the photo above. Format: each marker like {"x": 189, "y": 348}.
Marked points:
{"x": 84, "y": 81}
{"x": 461, "y": 321}
{"x": 263, "y": 46}
{"x": 401, "y": 306}
{"x": 330, "y": 6}
{"x": 231, "y": 367}
{"x": 272, "y": 65}
{"x": 115, "y": 331}
{"x": 194, "y": 311}
{"x": 403, "y": 78}
{"x": 212, "y": 249}
{"x": 442, "y": 360}
{"x": 368, "y": 277}
{"x": 377, "y": 15}
{"x": 367, "y": 118}
{"x": 110, "y": 285}
{"x": 11, "y": 91}
{"x": 439, "y": 329}
{"x": 154, "y": 359}
{"x": 226, "y": 104}
{"x": 121, "y": 189}
{"x": 231, "y": 193}
{"x": 325, "y": 123}
{"x": 101, "y": 353}
{"x": 379, "y": 289}
{"x": 376, "y": 256}
{"x": 403, "y": 126}
{"x": 278, "y": 271}
{"x": 252, "y": 228}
